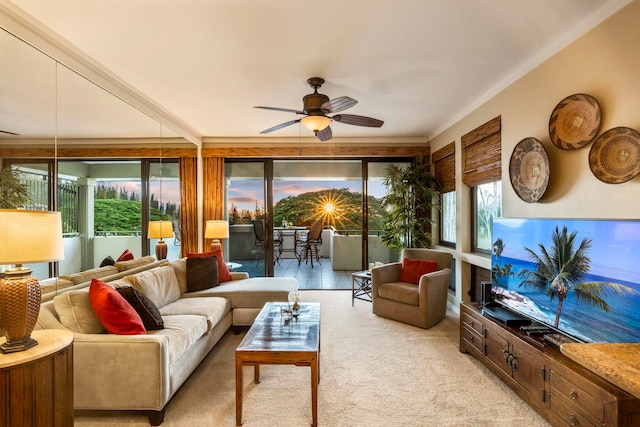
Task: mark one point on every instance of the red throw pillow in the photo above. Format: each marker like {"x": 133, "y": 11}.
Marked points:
{"x": 114, "y": 312}
{"x": 224, "y": 275}
{"x": 413, "y": 269}
{"x": 125, "y": 256}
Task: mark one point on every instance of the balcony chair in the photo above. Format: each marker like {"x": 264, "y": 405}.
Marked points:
{"x": 423, "y": 304}
{"x": 307, "y": 243}
{"x": 258, "y": 230}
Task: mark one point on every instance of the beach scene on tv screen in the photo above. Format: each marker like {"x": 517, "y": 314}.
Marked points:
{"x": 581, "y": 277}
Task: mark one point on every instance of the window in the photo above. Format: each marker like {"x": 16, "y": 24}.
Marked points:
{"x": 448, "y": 219}
{"x": 445, "y": 170}
{"x": 487, "y": 204}
{"x": 481, "y": 156}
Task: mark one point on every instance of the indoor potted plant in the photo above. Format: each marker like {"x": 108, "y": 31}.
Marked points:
{"x": 412, "y": 194}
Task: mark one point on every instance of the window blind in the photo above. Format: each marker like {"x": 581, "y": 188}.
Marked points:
{"x": 481, "y": 154}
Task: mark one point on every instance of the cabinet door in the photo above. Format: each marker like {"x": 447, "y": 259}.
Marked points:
{"x": 498, "y": 349}
{"x": 529, "y": 371}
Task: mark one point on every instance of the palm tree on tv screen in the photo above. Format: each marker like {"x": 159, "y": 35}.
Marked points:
{"x": 563, "y": 269}
{"x": 498, "y": 271}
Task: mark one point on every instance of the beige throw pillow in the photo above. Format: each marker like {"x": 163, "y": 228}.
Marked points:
{"x": 159, "y": 284}
{"x": 75, "y": 312}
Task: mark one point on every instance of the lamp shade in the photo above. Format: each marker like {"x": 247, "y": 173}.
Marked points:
{"x": 315, "y": 123}
{"x": 30, "y": 236}
{"x": 160, "y": 229}
{"x": 216, "y": 229}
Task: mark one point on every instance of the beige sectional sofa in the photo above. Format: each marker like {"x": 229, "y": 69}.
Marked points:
{"x": 143, "y": 372}
{"x": 51, "y": 287}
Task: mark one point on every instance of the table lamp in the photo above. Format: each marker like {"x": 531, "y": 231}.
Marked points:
{"x": 216, "y": 229}
{"x": 160, "y": 230}
{"x": 27, "y": 237}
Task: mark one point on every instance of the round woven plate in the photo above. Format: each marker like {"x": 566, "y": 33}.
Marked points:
{"x": 575, "y": 121}
{"x": 615, "y": 156}
{"x": 529, "y": 170}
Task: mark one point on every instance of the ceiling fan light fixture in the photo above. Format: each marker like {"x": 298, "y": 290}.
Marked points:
{"x": 316, "y": 123}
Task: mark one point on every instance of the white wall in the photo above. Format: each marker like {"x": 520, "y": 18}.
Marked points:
{"x": 605, "y": 63}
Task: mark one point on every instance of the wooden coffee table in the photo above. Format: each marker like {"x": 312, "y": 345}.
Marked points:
{"x": 273, "y": 340}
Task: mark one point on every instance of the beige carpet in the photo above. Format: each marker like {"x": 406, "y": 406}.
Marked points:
{"x": 374, "y": 372}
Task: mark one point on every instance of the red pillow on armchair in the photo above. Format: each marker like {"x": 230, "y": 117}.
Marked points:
{"x": 413, "y": 269}
{"x": 224, "y": 275}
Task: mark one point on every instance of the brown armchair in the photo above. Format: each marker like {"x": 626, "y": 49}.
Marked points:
{"x": 424, "y": 304}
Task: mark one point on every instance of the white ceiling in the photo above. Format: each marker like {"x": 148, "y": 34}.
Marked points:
{"x": 416, "y": 64}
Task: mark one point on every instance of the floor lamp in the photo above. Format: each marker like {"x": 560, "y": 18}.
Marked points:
{"x": 28, "y": 237}
{"x": 216, "y": 229}
{"x": 160, "y": 230}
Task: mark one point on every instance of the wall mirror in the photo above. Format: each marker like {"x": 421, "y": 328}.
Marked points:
{"x": 46, "y": 107}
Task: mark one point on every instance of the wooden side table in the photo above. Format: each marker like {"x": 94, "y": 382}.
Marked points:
{"x": 36, "y": 385}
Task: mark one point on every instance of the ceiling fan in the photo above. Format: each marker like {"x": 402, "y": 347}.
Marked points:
{"x": 316, "y": 106}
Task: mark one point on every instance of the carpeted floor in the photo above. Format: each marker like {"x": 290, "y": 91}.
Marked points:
{"x": 374, "y": 372}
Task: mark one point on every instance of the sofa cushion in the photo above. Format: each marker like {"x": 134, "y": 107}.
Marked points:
{"x": 202, "y": 273}
{"x": 253, "y": 292}
{"x": 413, "y": 269}
{"x": 88, "y": 275}
{"x": 159, "y": 284}
{"x": 114, "y": 312}
{"x": 134, "y": 263}
{"x": 182, "y": 331}
{"x": 75, "y": 312}
{"x": 406, "y": 293}
{"x": 224, "y": 275}
{"x": 146, "y": 309}
{"x": 126, "y": 255}
{"x": 213, "y": 309}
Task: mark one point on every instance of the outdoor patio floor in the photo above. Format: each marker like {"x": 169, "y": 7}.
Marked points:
{"x": 321, "y": 276}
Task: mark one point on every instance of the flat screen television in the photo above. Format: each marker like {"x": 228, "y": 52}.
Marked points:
{"x": 580, "y": 277}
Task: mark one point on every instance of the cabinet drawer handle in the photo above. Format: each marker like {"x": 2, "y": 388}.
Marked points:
{"x": 574, "y": 394}
{"x": 573, "y": 420}
{"x": 472, "y": 323}
{"x": 471, "y": 338}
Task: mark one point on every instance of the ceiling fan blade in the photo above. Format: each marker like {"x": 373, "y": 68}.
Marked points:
{"x": 280, "y": 126}
{"x": 351, "y": 119}
{"x": 338, "y": 104}
{"x": 324, "y": 134}
{"x": 8, "y": 133}
{"x": 286, "y": 110}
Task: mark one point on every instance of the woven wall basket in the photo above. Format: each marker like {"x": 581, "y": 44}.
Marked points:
{"x": 614, "y": 157}
{"x": 575, "y": 121}
{"x": 529, "y": 170}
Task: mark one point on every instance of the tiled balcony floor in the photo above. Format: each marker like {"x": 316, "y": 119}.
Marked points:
{"x": 321, "y": 276}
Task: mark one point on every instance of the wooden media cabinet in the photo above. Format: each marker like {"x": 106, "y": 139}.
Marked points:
{"x": 560, "y": 390}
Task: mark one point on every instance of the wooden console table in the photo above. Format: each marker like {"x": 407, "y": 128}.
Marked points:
{"x": 564, "y": 392}
{"x": 36, "y": 385}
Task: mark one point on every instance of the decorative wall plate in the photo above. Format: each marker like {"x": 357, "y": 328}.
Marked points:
{"x": 529, "y": 170}
{"x": 615, "y": 156}
{"x": 575, "y": 121}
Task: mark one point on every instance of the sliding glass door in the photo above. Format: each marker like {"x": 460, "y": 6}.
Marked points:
{"x": 249, "y": 248}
